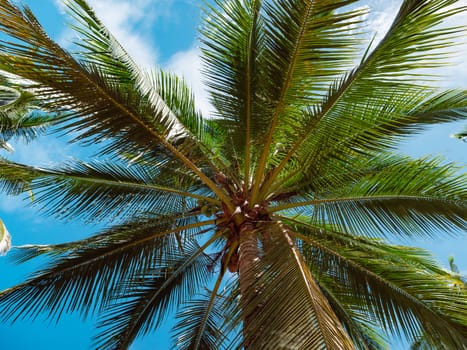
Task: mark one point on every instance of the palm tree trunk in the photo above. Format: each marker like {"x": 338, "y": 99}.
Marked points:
{"x": 248, "y": 255}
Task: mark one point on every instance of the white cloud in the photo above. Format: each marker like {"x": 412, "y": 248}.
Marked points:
{"x": 44, "y": 151}
{"x": 188, "y": 64}
{"x": 11, "y": 204}
{"x": 130, "y": 23}
{"x": 456, "y": 75}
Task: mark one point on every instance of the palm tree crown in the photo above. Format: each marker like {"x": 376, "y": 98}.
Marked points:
{"x": 264, "y": 225}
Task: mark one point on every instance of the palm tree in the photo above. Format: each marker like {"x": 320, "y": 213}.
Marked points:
{"x": 267, "y": 224}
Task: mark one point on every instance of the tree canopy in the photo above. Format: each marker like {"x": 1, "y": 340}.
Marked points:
{"x": 267, "y": 224}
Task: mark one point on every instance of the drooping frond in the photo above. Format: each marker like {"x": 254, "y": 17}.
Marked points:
{"x": 405, "y": 287}
{"x": 128, "y": 119}
{"x": 151, "y": 295}
{"x": 285, "y": 307}
{"x": 393, "y": 195}
{"x": 84, "y": 275}
{"x": 199, "y": 322}
{"x": 105, "y": 191}
{"x": 199, "y": 325}
{"x": 363, "y": 331}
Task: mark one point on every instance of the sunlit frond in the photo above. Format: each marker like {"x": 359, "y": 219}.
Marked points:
{"x": 149, "y": 296}
{"x": 404, "y": 290}
{"x": 20, "y": 117}
{"x": 416, "y": 197}
{"x": 375, "y": 100}
{"x": 104, "y": 191}
{"x": 84, "y": 275}
{"x": 286, "y": 306}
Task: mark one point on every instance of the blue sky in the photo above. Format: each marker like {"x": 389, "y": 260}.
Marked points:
{"x": 163, "y": 33}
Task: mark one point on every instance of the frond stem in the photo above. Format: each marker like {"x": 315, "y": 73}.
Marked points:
{"x": 78, "y": 69}
{"x": 252, "y": 39}
{"x": 212, "y": 298}
{"x": 131, "y": 244}
{"x": 328, "y": 106}
{"x": 312, "y": 288}
{"x": 257, "y": 184}
{"x": 175, "y": 274}
{"x": 342, "y": 199}
{"x": 370, "y": 274}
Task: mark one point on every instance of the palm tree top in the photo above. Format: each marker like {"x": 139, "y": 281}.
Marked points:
{"x": 266, "y": 224}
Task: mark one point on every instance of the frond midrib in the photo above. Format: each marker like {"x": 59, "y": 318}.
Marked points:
{"x": 174, "y": 275}
{"x": 277, "y": 208}
{"x": 121, "y": 248}
{"x": 391, "y": 286}
{"x": 280, "y": 104}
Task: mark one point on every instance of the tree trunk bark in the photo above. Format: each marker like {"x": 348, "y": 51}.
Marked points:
{"x": 249, "y": 255}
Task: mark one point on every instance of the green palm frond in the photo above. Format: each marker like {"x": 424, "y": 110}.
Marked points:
{"x": 414, "y": 41}
{"x": 232, "y": 44}
{"x": 84, "y": 275}
{"x": 104, "y": 191}
{"x": 198, "y": 325}
{"x": 286, "y": 307}
{"x": 298, "y": 33}
{"x": 20, "y": 117}
{"x": 417, "y": 197}
{"x": 102, "y": 109}
{"x": 100, "y": 47}
{"x": 362, "y": 329}
{"x": 164, "y": 91}
{"x": 381, "y": 122}
{"x": 392, "y": 276}
{"x": 150, "y": 295}
{"x": 199, "y": 320}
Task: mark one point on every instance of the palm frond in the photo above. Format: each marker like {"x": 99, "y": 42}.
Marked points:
{"x": 100, "y": 108}
{"x": 104, "y": 191}
{"x": 285, "y": 305}
{"x": 417, "y": 197}
{"x": 232, "y": 43}
{"x": 289, "y": 186}
{"x": 84, "y": 275}
{"x": 395, "y": 290}
{"x": 362, "y": 329}
{"x": 383, "y": 122}
{"x": 152, "y": 294}
{"x": 19, "y": 115}
{"x": 356, "y": 108}
{"x": 198, "y": 322}
{"x": 163, "y": 89}
{"x": 307, "y": 43}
